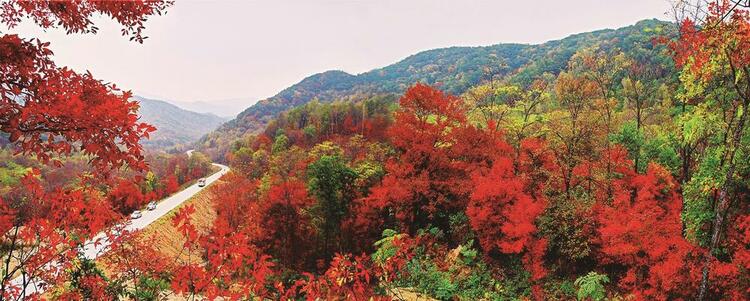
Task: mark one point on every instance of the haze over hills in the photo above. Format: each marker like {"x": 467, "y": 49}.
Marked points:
{"x": 453, "y": 70}
{"x": 174, "y": 125}
{"x": 226, "y": 108}
{"x": 223, "y": 107}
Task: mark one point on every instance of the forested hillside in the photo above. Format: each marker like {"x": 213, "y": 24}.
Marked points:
{"x": 590, "y": 168}
{"x": 612, "y": 165}
{"x": 453, "y": 70}
{"x": 174, "y": 126}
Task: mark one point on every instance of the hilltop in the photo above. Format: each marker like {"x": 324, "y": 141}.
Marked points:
{"x": 174, "y": 125}
{"x": 453, "y": 70}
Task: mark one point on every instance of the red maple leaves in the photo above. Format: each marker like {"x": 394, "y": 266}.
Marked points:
{"x": 427, "y": 179}
{"x": 76, "y": 16}
{"x": 641, "y": 230}
{"x": 48, "y": 109}
{"x": 51, "y": 111}
{"x": 501, "y": 212}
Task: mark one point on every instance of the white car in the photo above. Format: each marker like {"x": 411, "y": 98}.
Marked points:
{"x": 151, "y": 206}
{"x": 136, "y": 214}
{"x": 201, "y": 182}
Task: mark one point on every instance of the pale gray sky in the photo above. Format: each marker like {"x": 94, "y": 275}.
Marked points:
{"x": 232, "y": 53}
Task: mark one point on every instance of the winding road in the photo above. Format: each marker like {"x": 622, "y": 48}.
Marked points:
{"x": 98, "y": 245}
{"x": 92, "y": 251}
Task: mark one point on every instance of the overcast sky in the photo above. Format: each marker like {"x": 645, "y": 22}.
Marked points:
{"x": 246, "y": 50}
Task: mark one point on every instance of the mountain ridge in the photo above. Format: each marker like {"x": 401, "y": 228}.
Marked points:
{"x": 452, "y": 69}
{"x": 174, "y": 125}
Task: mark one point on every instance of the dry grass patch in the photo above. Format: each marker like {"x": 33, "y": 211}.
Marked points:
{"x": 167, "y": 239}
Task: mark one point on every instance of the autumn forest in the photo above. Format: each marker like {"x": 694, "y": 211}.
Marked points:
{"x": 612, "y": 165}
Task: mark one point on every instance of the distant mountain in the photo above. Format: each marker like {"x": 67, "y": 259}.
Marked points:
{"x": 453, "y": 70}
{"x": 221, "y": 107}
{"x": 174, "y": 125}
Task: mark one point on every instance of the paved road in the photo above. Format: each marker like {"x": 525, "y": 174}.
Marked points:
{"x": 163, "y": 207}
{"x": 92, "y": 250}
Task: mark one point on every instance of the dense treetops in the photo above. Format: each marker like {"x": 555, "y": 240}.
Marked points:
{"x": 591, "y": 179}
{"x": 611, "y": 166}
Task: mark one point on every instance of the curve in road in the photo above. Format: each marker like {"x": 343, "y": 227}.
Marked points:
{"x": 98, "y": 245}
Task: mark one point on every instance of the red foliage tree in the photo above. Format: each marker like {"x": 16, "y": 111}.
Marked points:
{"x": 234, "y": 268}
{"x": 45, "y": 108}
{"x": 500, "y": 210}
{"x": 348, "y": 278}
{"x": 136, "y": 260}
{"x": 235, "y": 200}
{"x": 506, "y": 203}
{"x": 428, "y": 181}
{"x": 287, "y": 230}
{"x": 48, "y": 111}
{"x": 126, "y": 196}
{"x": 43, "y": 241}
{"x": 730, "y": 279}
{"x": 641, "y": 230}
{"x": 170, "y": 184}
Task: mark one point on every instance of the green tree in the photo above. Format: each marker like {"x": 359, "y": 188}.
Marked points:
{"x": 714, "y": 54}
{"x": 280, "y": 143}
{"x": 331, "y": 181}
{"x": 591, "y": 286}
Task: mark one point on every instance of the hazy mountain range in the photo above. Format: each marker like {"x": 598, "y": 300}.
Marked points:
{"x": 175, "y": 125}
{"x": 227, "y": 108}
